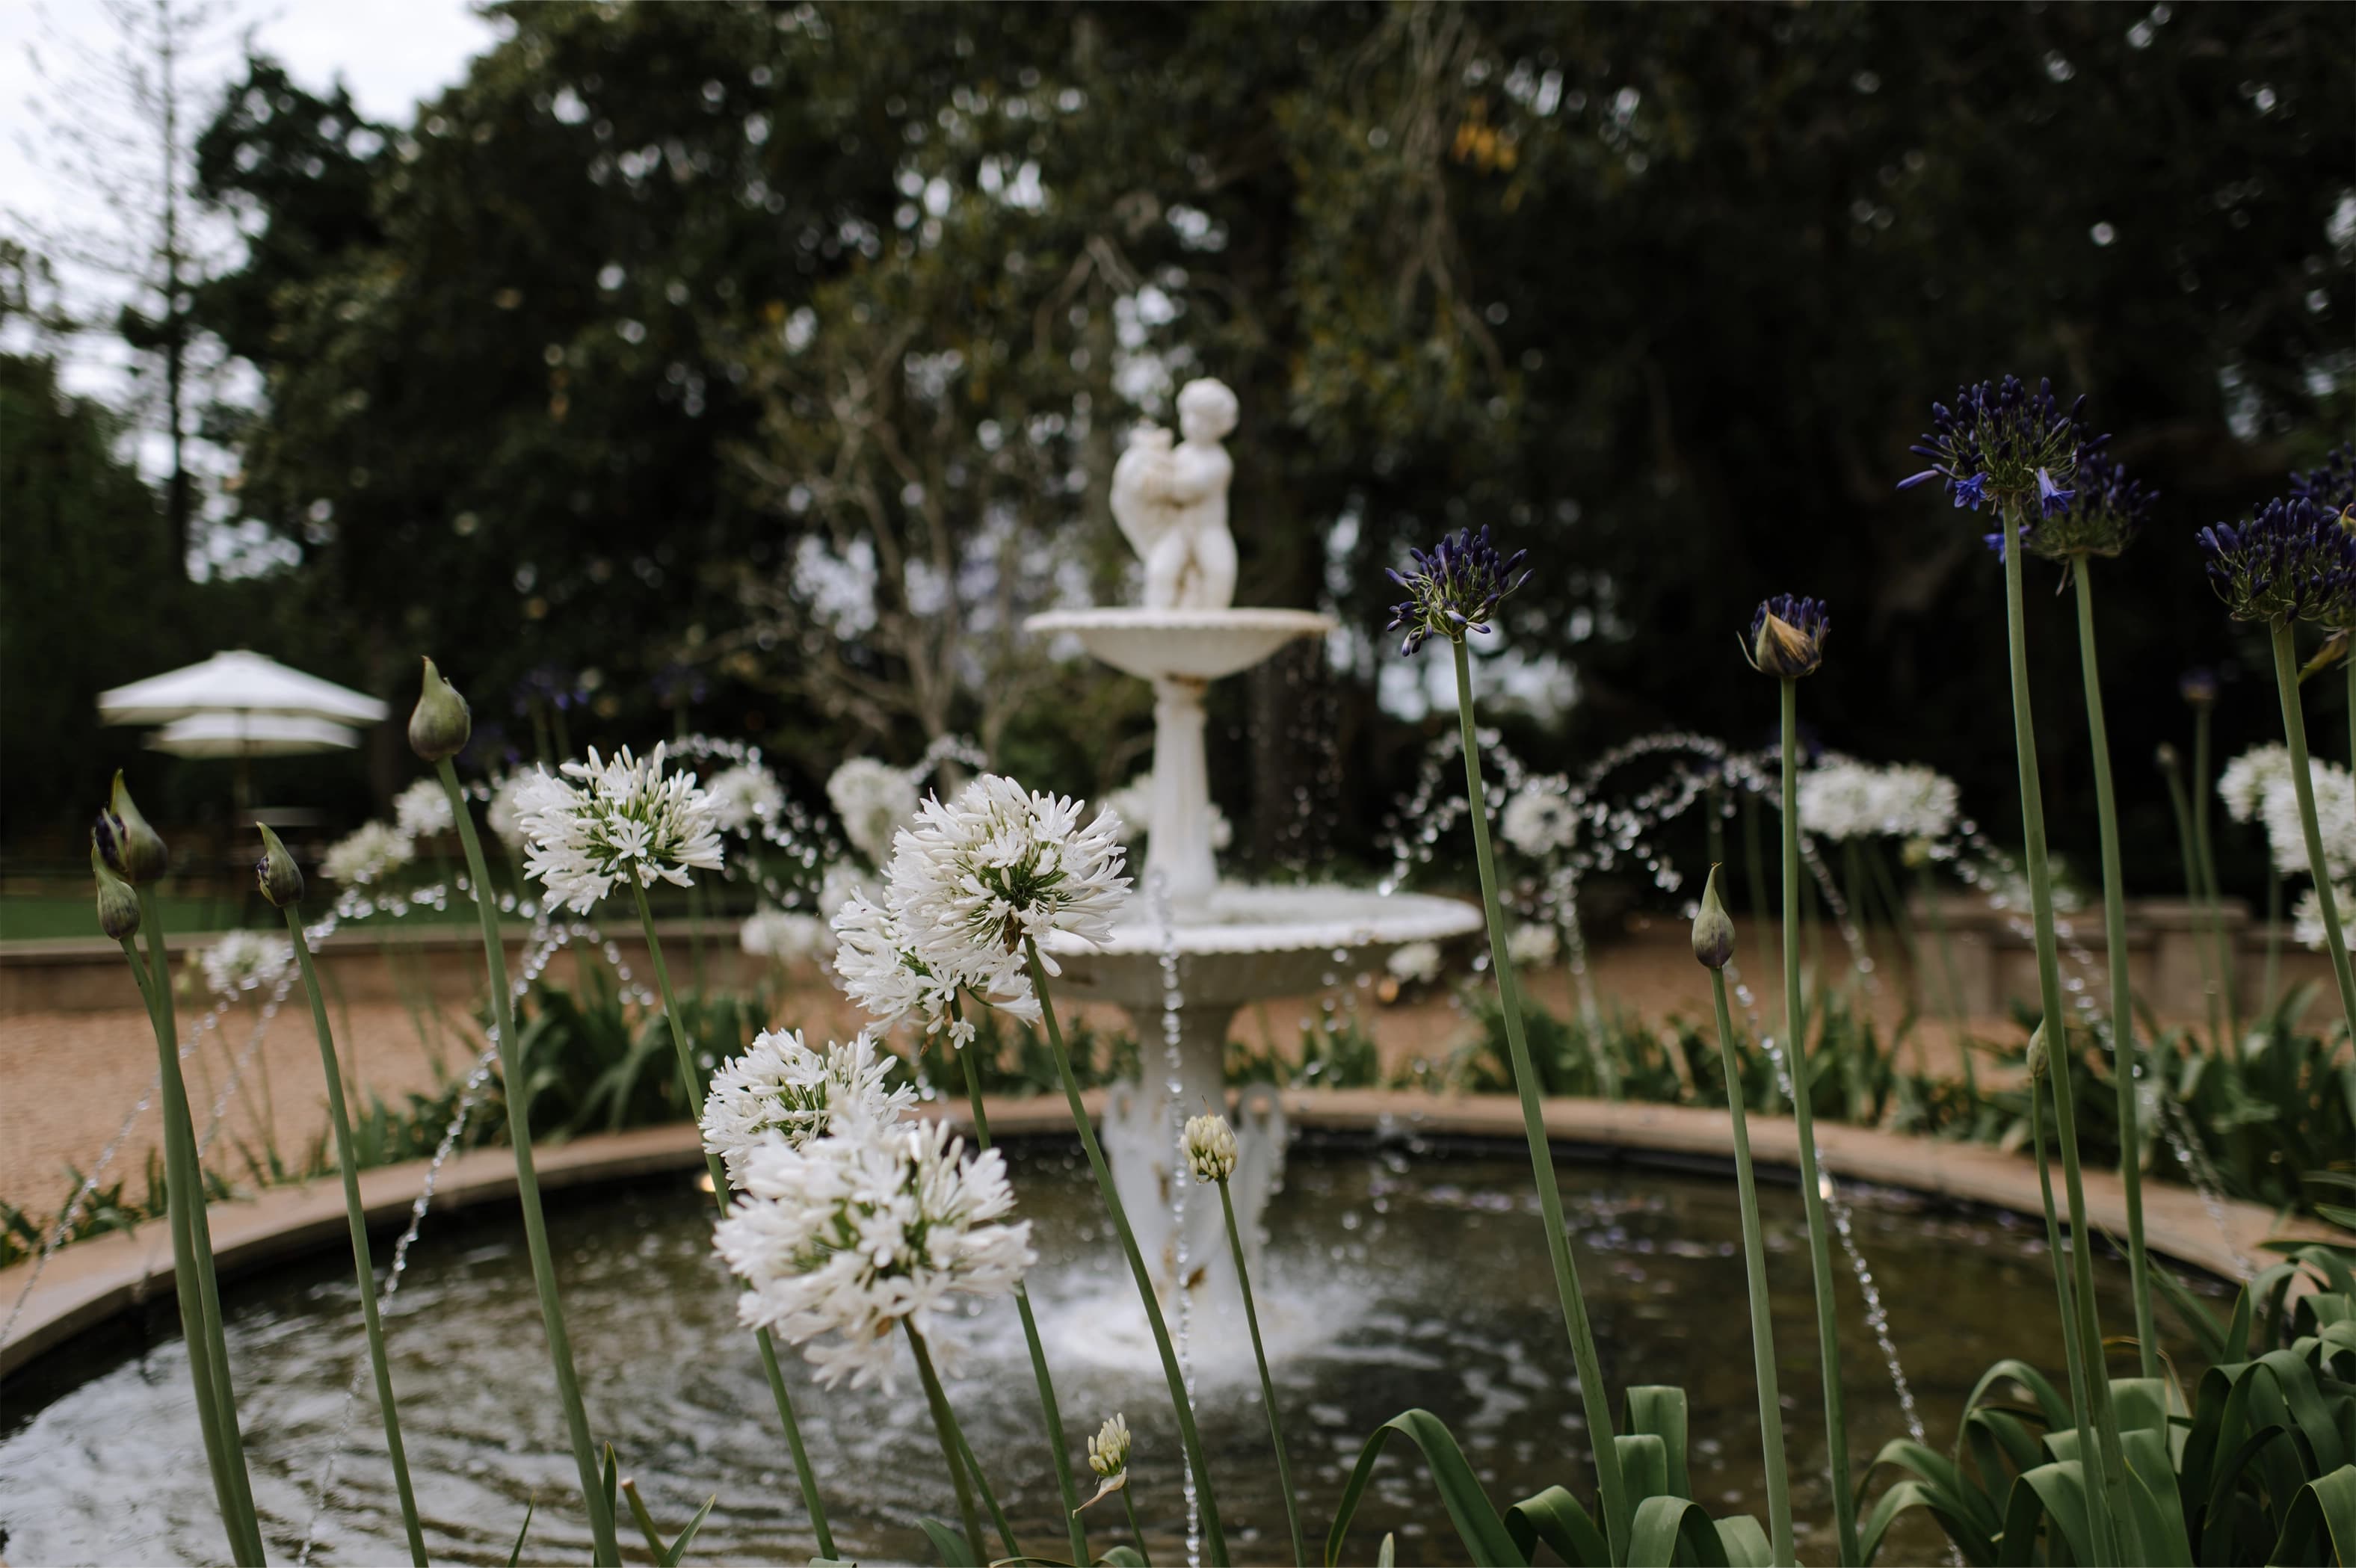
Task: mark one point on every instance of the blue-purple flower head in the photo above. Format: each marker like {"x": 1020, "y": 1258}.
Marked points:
{"x": 1454, "y": 588}
{"x": 2333, "y": 485}
{"x": 2289, "y": 561}
{"x": 2198, "y": 686}
{"x": 2004, "y": 443}
{"x": 2104, "y": 511}
{"x": 1787, "y": 636}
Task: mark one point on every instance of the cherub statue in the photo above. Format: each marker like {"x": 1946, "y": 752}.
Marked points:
{"x": 1172, "y": 502}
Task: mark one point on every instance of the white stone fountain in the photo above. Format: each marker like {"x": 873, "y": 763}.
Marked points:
{"x": 1191, "y": 949}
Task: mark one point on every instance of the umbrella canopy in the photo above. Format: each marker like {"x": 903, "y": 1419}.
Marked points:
{"x": 251, "y": 735}
{"x": 233, "y": 683}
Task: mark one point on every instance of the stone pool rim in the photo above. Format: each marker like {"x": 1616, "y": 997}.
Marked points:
{"x": 89, "y": 1283}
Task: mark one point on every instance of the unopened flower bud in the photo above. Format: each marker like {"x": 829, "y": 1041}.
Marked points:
{"x": 2167, "y": 757}
{"x": 1210, "y": 1148}
{"x": 2037, "y": 1054}
{"x": 132, "y": 849}
{"x": 2198, "y": 686}
{"x": 439, "y": 724}
{"x": 1787, "y": 636}
{"x": 1108, "y": 1450}
{"x": 118, "y": 903}
{"x": 1713, "y": 930}
{"x": 281, "y": 878}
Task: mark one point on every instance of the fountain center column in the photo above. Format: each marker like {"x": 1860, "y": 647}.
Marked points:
{"x": 1179, "y": 850}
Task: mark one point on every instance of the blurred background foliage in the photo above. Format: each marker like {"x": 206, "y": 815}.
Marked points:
{"x": 754, "y": 369}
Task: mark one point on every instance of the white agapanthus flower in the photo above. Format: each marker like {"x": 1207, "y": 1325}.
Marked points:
{"x": 1842, "y": 797}
{"x": 245, "y": 961}
{"x": 422, "y": 810}
{"x": 2335, "y": 815}
{"x": 882, "y": 971}
{"x": 624, "y": 822}
{"x": 367, "y": 854}
{"x": 2308, "y": 918}
{"x": 844, "y": 880}
{"x": 1108, "y": 1456}
{"x": 876, "y": 1224}
{"x": 781, "y": 1089}
{"x": 973, "y": 879}
{"x": 1210, "y": 1148}
{"x": 1132, "y": 803}
{"x": 1532, "y": 943}
{"x": 1916, "y": 801}
{"x": 786, "y": 935}
{"x": 1539, "y": 821}
{"x": 2243, "y": 788}
{"x": 873, "y": 801}
{"x": 744, "y": 797}
{"x": 1414, "y": 963}
{"x": 503, "y": 815}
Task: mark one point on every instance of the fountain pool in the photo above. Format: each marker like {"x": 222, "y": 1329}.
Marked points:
{"x": 1394, "y": 1276}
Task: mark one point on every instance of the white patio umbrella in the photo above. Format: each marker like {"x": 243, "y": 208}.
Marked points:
{"x": 240, "y": 705}
{"x": 250, "y": 735}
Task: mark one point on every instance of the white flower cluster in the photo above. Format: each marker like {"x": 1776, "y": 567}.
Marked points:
{"x": 1414, "y": 963}
{"x": 245, "y": 961}
{"x": 625, "y": 821}
{"x": 367, "y": 854}
{"x": 1109, "y": 1452}
{"x": 744, "y": 797}
{"x": 1533, "y": 942}
{"x": 422, "y": 810}
{"x": 2335, "y": 815}
{"x": 877, "y": 1223}
{"x": 873, "y": 801}
{"x": 2308, "y": 917}
{"x": 505, "y": 814}
{"x": 786, "y": 935}
{"x": 782, "y": 1090}
{"x": 1842, "y": 797}
{"x": 1540, "y": 820}
{"x": 1210, "y": 1148}
{"x": 2249, "y": 778}
{"x": 1132, "y": 806}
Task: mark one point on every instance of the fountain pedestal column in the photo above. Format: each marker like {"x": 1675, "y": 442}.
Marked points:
{"x": 1179, "y": 851}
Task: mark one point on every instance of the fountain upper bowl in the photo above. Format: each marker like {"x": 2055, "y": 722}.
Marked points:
{"x": 1194, "y": 645}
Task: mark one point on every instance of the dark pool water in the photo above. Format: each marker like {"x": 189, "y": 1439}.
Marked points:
{"x": 1390, "y": 1282}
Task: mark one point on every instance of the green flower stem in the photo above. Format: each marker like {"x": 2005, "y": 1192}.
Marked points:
{"x": 200, "y": 1241}
{"x": 2070, "y": 1348}
{"x": 1812, "y": 1187}
{"x": 608, "y": 1553}
{"x": 2189, "y": 853}
{"x": 2295, "y": 735}
{"x": 2114, "y": 938}
{"x": 1932, "y": 902}
{"x": 1267, "y": 1385}
{"x": 998, "y": 1519}
{"x": 363, "y": 1265}
{"x": 1594, "y": 1396}
{"x": 2228, "y": 972}
{"x": 1047, "y": 1406}
{"x": 1136, "y": 1525}
{"x": 691, "y": 1087}
{"x": 2347, "y": 657}
{"x": 2272, "y": 981}
{"x": 1763, "y": 1323}
{"x": 1179, "y": 1403}
{"x": 243, "y": 1548}
{"x": 952, "y": 1445}
{"x": 2105, "y": 1466}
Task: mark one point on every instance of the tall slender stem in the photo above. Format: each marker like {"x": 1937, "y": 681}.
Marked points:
{"x": 691, "y": 1087}
{"x": 1136, "y": 1525}
{"x": 2194, "y": 891}
{"x": 1812, "y": 1189}
{"x": 2228, "y": 971}
{"x": 1755, "y": 1263}
{"x": 517, "y": 1084}
{"x": 1039, "y": 1374}
{"x": 1267, "y": 1385}
{"x": 944, "y": 1428}
{"x": 2273, "y": 971}
{"x": 1594, "y": 1396}
{"x": 356, "y": 1217}
{"x": 2053, "y": 1245}
{"x": 2106, "y": 1472}
{"x": 1181, "y": 1406}
{"x": 2124, "y": 1070}
{"x": 2303, "y": 783}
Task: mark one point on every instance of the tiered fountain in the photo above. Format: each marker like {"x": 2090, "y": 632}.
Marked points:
{"x": 1191, "y": 949}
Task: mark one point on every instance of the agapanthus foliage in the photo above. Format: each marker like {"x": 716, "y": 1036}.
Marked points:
{"x": 843, "y": 1239}
{"x": 1454, "y": 588}
{"x": 2289, "y": 561}
{"x": 625, "y": 821}
{"x": 1787, "y": 636}
{"x": 2104, "y": 512}
{"x": 781, "y": 1089}
{"x": 2000, "y": 442}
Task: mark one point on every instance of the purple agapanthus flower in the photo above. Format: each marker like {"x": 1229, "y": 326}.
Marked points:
{"x": 2288, "y": 560}
{"x": 2101, "y": 517}
{"x": 1454, "y": 588}
{"x": 2002, "y": 442}
{"x": 2333, "y": 485}
{"x": 1787, "y": 636}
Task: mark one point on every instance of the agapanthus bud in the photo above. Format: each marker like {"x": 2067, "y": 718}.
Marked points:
{"x": 1210, "y": 1148}
{"x": 2101, "y": 516}
{"x": 2167, "y": 757}
{"x": 132, "y": 849}
{"x": 118, "y": 903}
{"x": 2288, "y": 560}
{"x": 1787, "y": 636}
{"x": 2198, "y": 686}
{"x": 1108, "y": 1451}
{"x": 1713, "y": 930}
{"x": 2038, "y": 1063}
{"x": 439, "y": 724}
{"x": 281, "y": 878}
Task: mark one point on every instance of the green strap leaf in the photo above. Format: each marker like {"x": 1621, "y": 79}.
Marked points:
{"x": 678, "y": 1552}
{"x": 1469, "y": 1509}
{"x": 1744, "y": 1544}
{"x": 2151, "y": 1493}
{"x": 515, "y": 1556}
{"x": 2322, "y": 1514}
{"x": 1659, "y": 1410}
{"x": 950, "y": 1543}
{"x": 1554, "y": 1517}
{"x": 1977, "y": 1545}
{"x": 2050, "y": 1402}
{"x": 2058, "y": 1492}
{"x": 1675, "y": 1531}
{"x": 1123, "y": 1557}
